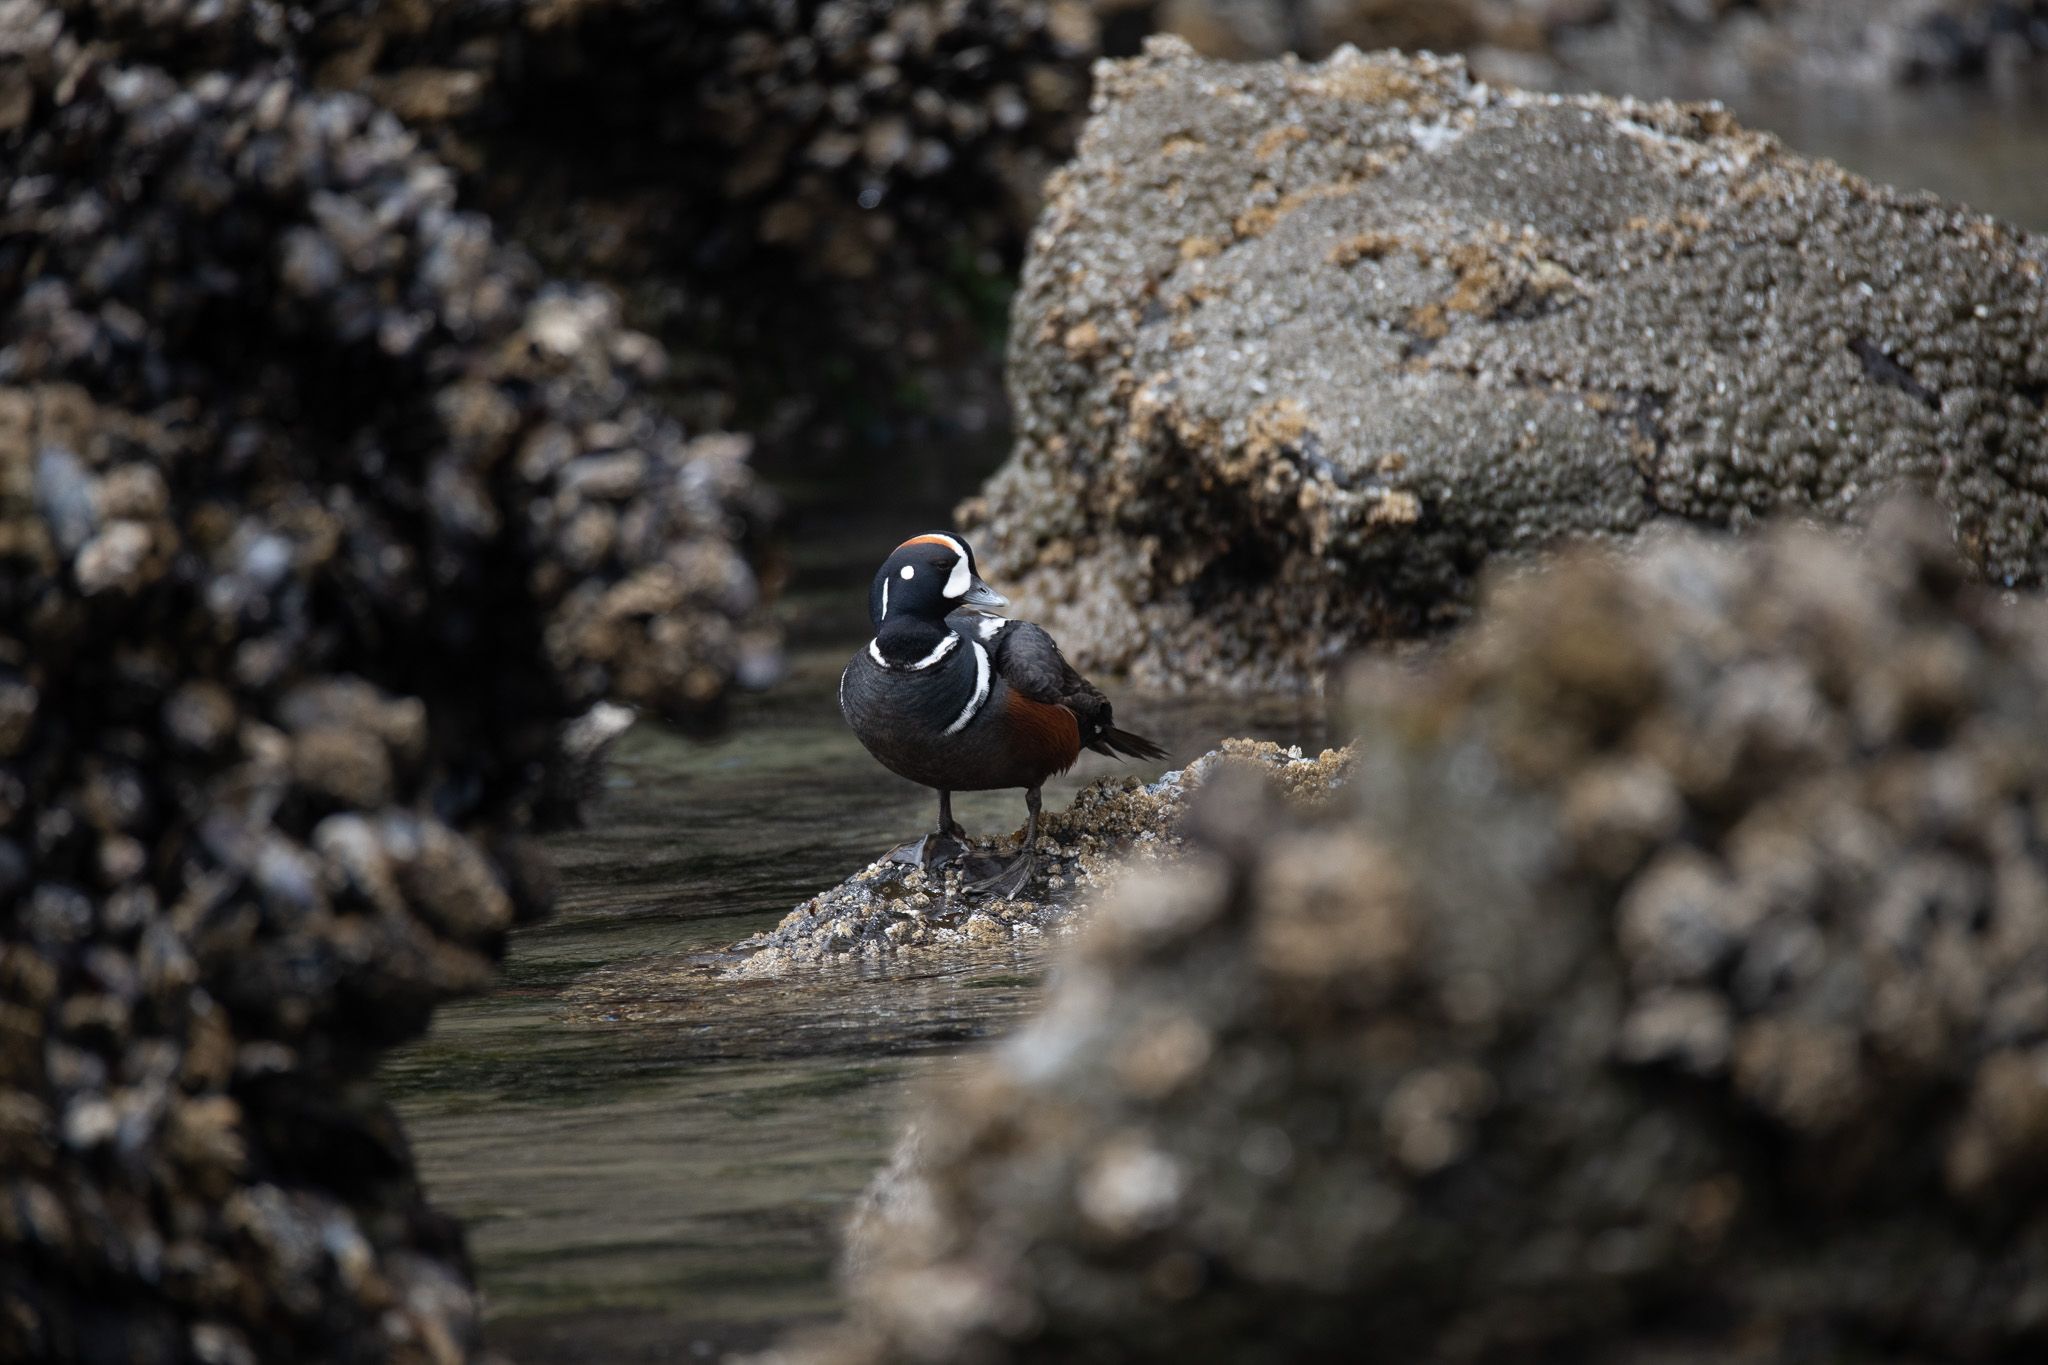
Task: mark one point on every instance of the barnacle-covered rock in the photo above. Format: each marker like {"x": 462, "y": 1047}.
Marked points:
{"x": 1666, "y": 984}
{"x": 1300, "y": 348}
{"x": 324, "y": 513}
{"x": 1112, "y": 825}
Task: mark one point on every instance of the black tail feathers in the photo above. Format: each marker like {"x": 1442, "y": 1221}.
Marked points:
{"x": 1125, "y": 744}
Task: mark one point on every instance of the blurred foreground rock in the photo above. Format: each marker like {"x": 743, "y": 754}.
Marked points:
{"x": 322, "y": 513}
{"x": 1112, "y": 824}
{"x": 1667, "y": 986}
{"x": 1299, "y": 348}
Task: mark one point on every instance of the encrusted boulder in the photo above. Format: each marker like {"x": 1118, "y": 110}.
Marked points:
{"x": 1300, "y": 348}
{"x": 1666, "y": 985}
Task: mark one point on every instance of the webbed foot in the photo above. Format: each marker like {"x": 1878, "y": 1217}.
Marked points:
{"x": 934, "y": 850}
{"x": 1009, "y": 881}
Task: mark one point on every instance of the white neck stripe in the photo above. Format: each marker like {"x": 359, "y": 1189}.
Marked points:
{"x": 939, "y": 651}
{"x": 974, "y": 702}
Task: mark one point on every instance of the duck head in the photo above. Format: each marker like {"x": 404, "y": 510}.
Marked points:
{"x": 925, "y": 578}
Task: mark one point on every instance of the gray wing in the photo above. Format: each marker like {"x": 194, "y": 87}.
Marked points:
{"x": 1026, "y": 658}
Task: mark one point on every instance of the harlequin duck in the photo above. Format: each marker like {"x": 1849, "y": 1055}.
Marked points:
{"x": 952, "y": 696}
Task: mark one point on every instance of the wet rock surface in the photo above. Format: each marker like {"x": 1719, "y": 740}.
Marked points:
{"x": 323, "y": 512}
{"x": 890, "y": 907}
{"x": 1300, "y": 348}
{"x": 1666, "y": 984}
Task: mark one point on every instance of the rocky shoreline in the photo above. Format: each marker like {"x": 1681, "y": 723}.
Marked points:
{"x": 370, "y": 444}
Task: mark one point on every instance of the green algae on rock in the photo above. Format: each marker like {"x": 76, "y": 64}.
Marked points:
{"x": 1300, "y": 348}
{"x": 1665, "y": 984}
{"x": 889, "y": 907}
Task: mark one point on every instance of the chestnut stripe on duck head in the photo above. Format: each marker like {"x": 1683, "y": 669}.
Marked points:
{"x": 926, "y": 577}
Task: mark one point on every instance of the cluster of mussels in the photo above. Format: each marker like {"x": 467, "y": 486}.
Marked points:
{"x": 1670, "y": 987}
{"x": 809, "y": 200}
{"x": 323, "y": 512}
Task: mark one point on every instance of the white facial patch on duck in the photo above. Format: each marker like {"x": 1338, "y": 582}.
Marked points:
{"x": 939, "y": 651}
{"x": 961, "y": 579}
{"x": 980, "y": 689}
{"x": 907, "y": 572}
{"x": 885, "y": 599}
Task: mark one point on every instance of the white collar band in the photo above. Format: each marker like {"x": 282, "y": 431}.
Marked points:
{"x": 939, "y": 651}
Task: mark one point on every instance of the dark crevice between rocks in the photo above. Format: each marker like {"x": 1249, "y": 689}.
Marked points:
{"x": 1241, "y": 571}
{"x": 1881, "y": 367}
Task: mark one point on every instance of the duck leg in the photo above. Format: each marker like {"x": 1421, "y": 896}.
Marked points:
{"x": 1012, "y": 879}
{"x": 938, "y": 848}
{"x": 947, "y": 824}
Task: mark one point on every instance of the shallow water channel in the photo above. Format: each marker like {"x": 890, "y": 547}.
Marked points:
{"x": 652, "y": 1162}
